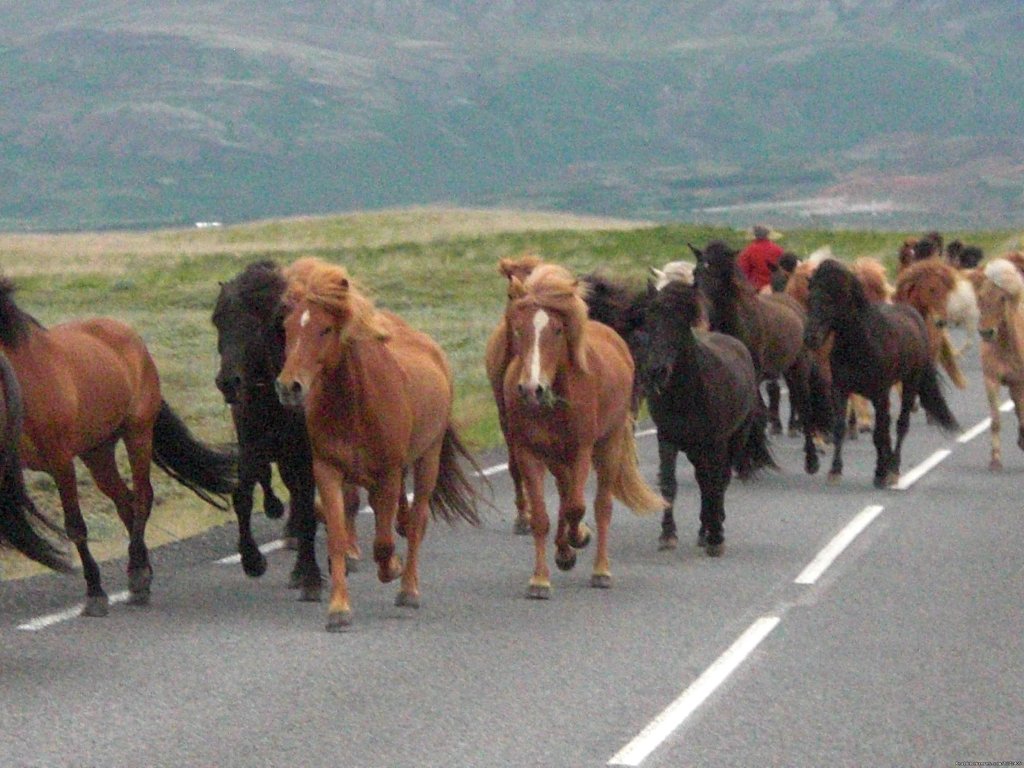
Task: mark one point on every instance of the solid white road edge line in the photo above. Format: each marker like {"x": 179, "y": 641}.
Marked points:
{"x": 839, "y": 542}
{"x": 661, "y": 727}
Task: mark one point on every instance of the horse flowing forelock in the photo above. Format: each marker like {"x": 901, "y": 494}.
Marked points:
{"x": 1005, "y": 275}
{"x": 329, "y": 287}
{"x": 554, "y": 288}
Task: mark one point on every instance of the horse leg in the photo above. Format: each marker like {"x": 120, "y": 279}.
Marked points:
{"x": 774, "y": 396}
{"x": 96, "y": 601}
{"x": 992, "y": 395}
{"x": 800, "y": 400}
{"x": 305, "y": 575}
{"x": 1017, "y": 396}
{"x": 881, "y": 437}
{"x": 571, "y": 481}
{"x": 532, "y": 470}
{"x": 329, "y": 484}
{"x": 354, "y": 553}
{"x": 253, "y": 562}
{"x": 424, "y": 480}
{"x": 133, "y": 509}
{"x": 522, "y": 523}
{"x": 384, "y": 499}
{"x": 840, "y": 400}
{"x": 713, "y": 475}
{"x": 273, "y": 507}
{"x": 668, "y": 486}
{"x": 601, "y": 577}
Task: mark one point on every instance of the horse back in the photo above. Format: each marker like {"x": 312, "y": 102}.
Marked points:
{"x": 781, "y": 320}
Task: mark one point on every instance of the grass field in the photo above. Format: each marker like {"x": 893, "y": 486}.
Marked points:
{"x": 436, "y": 267}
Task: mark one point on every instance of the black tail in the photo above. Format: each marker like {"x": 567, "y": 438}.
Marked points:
{"x": 934, "y": 402}
{"x": 454, "y": 496}
{"x": 209, "y": 473}
{"x": 754, "y": 453}
{"x": 17, "y": 515}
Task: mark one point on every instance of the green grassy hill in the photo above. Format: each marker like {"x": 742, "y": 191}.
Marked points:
{"x": 170, "y": 113}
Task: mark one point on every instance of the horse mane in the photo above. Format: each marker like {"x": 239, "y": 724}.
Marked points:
{"x": 1006, "y": 276}
{"x": 683, "y": 299}
{"x": 834, "y": 278}
{"x": 15, "y": 323}
{"x": 258, "y": 288}
{"x": 912, "y": 275}
{"x": 609, "y": 302}
{"x": 519, "y": 267}
{"x": 555, "y": 288}
{"x": 329, "y": 287}
{"x": 720, "y": 261}
{"x": 872, "y": 276}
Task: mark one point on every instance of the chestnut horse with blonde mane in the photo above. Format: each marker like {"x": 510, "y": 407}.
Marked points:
{"x": 567, "y": 395}
{"x": 496, "y": 359}
{"x": 1000, "y": 290}
{"x": 87, "y": 385}
{"x": 377, "y": 397}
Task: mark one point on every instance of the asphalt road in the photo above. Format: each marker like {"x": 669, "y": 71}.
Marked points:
{"x": 905, "y": 650}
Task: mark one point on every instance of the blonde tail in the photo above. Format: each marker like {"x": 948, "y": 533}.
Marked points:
{"x": 949, "y": 362}
{"x": 628, "y": 485}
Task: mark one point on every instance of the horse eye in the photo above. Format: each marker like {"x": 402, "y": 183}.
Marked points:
{"x": 325, "y": 332}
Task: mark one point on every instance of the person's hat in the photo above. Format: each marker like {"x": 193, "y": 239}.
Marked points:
{"x": 761, "y": 231}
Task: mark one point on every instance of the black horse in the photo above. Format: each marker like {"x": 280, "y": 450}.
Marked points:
{"x": 701, "y": 390}
{"x": 874, "y": 346}
{"x": 772, "y": 328}
{"x": 20, "y": 521}
{"x": 250, "y": 342}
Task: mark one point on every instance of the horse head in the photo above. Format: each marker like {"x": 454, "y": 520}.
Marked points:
{"x": 999, "y": 290}
{"x": 250, "y": 341}
{"x": 835, "y": 298}
{"x": 323, "y": 313}
{"x": 670, "y": 315}
{"x": 546, "y": 317}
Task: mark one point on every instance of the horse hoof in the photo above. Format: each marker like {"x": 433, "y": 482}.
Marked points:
{"x": 273, "y": 508}
{"x": 254, "y": 567}
{"x": 565, "y": 562}
{"x": 668, "y": 542}
{"x": 339, "y": 621}
{"x": 139, "y": 579}
{"x": 715, "y": 550}
{"x": 811, "y": 463}
{"x": 390, "y": 570}
{"x": 351, "y": 564}
{"x": 702, "y": 539}
{"x": 291, "y": 543}
{"x": 139, "y": 597}
{"x": 834, "y": 478}
{"x": 580, "y": 538}
{"x": 775, "y": 429}
{"x": 97, "y": 606}
{"x": 995, "y": 465}
{"x": 601, "y": 581}
{"x": 309, "y": 591}
{"x": 539, "y": 592}
{"x": 407, "y": 600}
{"x": 522, "y": 527}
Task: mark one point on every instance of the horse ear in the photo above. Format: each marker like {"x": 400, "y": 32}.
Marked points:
{"x": 696, "y": 251}
{"x": 516, "y": 289}
{"x": 657, "y": 273}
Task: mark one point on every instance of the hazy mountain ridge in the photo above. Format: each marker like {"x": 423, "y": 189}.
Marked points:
{"x": 127, "y": 114}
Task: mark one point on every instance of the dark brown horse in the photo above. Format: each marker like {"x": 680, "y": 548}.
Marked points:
{"x": 772, "y": 328}
{"x": 377, "y": 397}
{"x": 20, "y": 521}
{"x": 567, "y": 399}
{"x": 873, "y": 347}
{"x": 88, "y": 384}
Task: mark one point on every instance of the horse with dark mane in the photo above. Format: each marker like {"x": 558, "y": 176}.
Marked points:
{"x": 88, "y": 384}
{"x": 702, "y": 392}
{"x": 772, "y": 328}
{"x": 20, "y": 521}
{"x": 377, "y": 398}
{"x": 873, "y": 347}
{"x": 250, "y": 343}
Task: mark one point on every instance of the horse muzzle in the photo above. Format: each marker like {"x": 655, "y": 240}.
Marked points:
{"x": 229, "y": 387}
{"x": 537, "y": 395}
{"x": 987, "y": 334}
{"x": 291, "y": 394}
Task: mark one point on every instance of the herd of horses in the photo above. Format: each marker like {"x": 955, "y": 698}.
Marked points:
{"x": 342, "y": 395}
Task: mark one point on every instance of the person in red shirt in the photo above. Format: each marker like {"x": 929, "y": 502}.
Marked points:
{"x": 758, "y": 258}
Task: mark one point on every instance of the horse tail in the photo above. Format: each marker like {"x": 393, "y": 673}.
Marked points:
{"x": 17, "y": 514}
{"x": 209, "y": 473}
{"x": 949, "y": 362}
{"x": 753, "y": 452}
{"x": 934, "y": 402}
{"x": 454, "y": 496}
{"x": 627, "y": 484}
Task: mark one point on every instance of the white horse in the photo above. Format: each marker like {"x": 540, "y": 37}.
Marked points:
{"x": 674, "y": 270}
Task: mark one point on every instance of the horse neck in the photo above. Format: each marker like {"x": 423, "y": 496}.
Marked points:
{"x": 1012, "y": 328}
{"x": 856, "y": 334}
{"x": 731, "y": 310}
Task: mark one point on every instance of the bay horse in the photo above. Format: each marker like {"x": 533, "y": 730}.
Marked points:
{"x": 702, "y": 392}
{"x": 1000, "y": 289}
{"x": 88, "y": 384}
{"x": 497, "y": 355}
{"x": 873, "y": 347}
{"x": 20, "y": 520}
{"x": 772, "y": 328}
{"x": 567, "y": 402}
{"x": 250, "y": 344}
{"x": 377, "y": 398}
